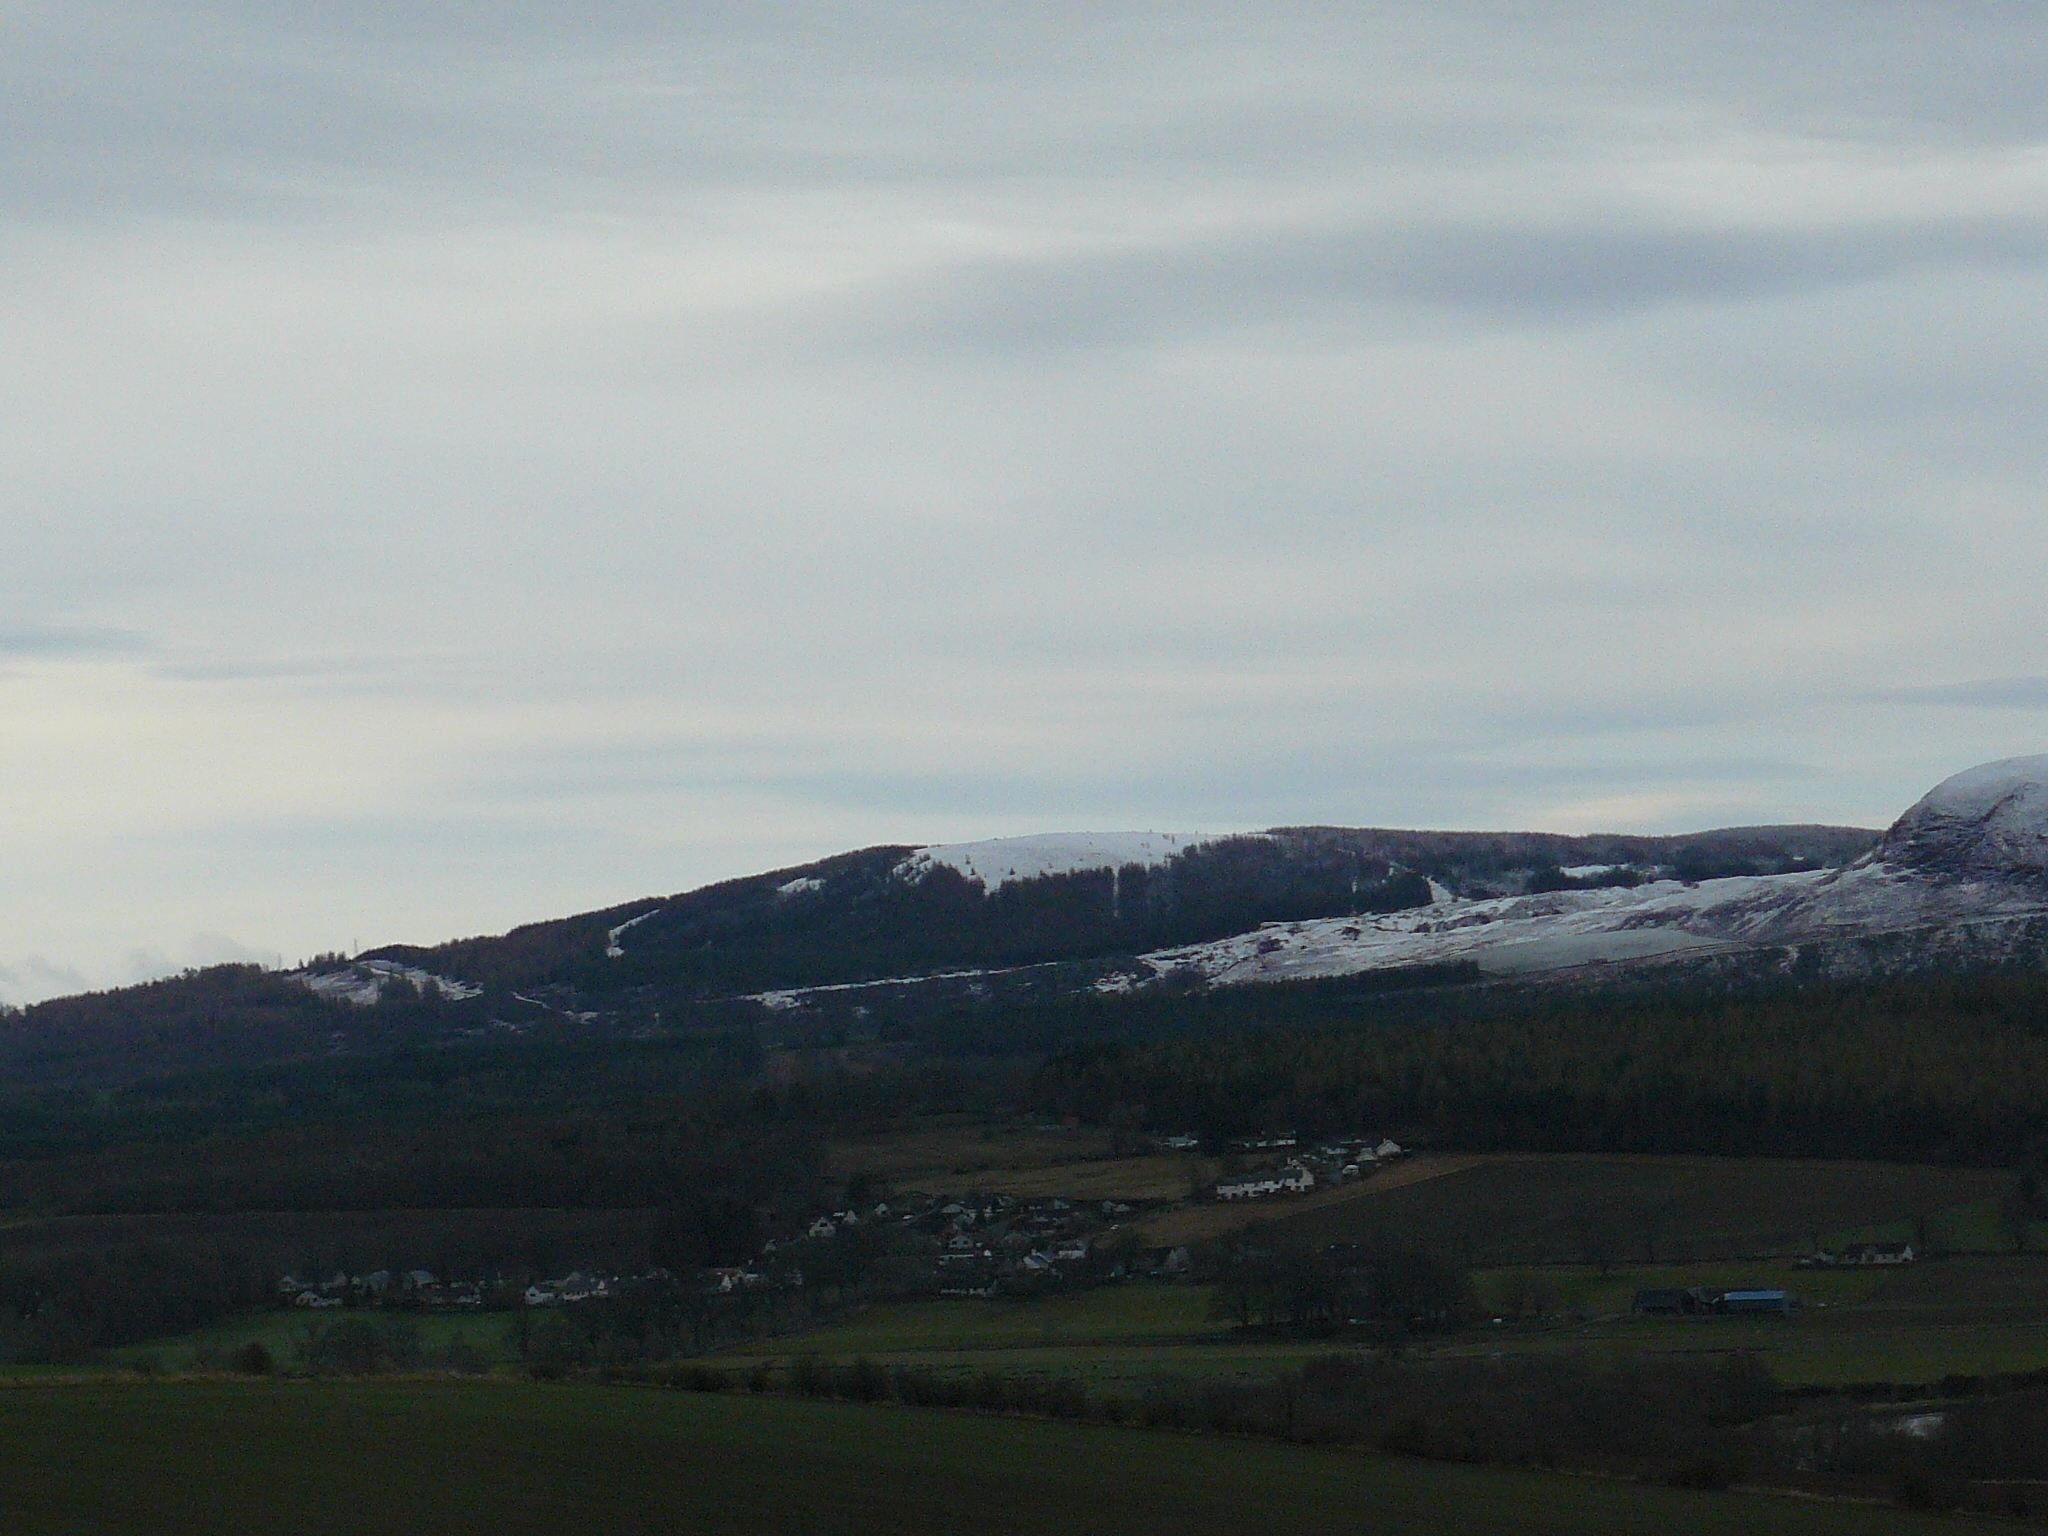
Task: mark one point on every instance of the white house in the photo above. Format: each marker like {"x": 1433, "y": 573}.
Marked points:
{"x": 1293, "y": 1179}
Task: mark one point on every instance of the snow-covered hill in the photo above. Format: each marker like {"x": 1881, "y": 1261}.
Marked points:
{"x": 998, "y": 861}
{"x": 1967, "y": 865}
{"x": 1962, "y": 875}
{"x": 1988, "y": 821}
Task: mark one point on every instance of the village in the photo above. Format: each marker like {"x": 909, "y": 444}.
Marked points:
{"x": 966, "y": 1245}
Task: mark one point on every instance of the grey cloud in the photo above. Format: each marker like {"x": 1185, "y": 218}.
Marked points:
{"x": 202, "y": 949}
{"x": 261, "y": 110}
{"x": 59, "y": 641}
{"x": 1989, "y": 693}
{"x": 1132, "y": 298}
{"x": 33, "y": 979}
{"x": 271, "y": 670}
{"x": 37, "y": 977}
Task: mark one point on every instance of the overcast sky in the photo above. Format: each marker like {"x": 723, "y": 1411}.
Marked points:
{"x": 462, "y": 464}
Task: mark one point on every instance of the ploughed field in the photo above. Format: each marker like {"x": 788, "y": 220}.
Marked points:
{"x": 138, "y": 1459}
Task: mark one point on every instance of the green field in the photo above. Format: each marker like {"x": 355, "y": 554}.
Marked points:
{"x": 1562, "y": 1210}
{"x": 424, "y": 1457}
{"x": 1122, "y": 1314}
{"x": 1531, "y": 1218}
{"x": 281, "y": 1331}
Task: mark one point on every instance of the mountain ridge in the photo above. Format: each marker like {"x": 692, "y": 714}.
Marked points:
{"x": 888, "y": 943}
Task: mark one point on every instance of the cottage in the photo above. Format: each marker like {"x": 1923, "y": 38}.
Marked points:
{"x": 1293, "y": 1179}
{"x": 1878, "y": 1253}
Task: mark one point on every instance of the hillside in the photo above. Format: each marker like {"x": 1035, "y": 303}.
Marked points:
{"x": 879, "y": 945}
{"x": 882, "y": 915}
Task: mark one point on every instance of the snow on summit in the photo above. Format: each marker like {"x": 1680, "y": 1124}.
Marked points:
{"x": 1991, "y": 819}
{"x": 999, "y": 860}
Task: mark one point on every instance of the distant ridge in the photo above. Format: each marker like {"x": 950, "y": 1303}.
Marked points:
{"x": 854, "y": 946}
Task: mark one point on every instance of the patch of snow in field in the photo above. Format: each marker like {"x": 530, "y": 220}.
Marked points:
{"x": 612, "y": 948}
{"x": 999, "y": 860}
{"x": 1590, "y": 871}
{"x": 362, "y": 982}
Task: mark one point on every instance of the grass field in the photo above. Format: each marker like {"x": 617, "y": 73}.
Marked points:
{"x": 280, "y": 1331}
{"x": 1203, "y": 1222}
{"x": 420, "y": 1457}
{"x": 1110, "y": 1178}
{"x": 1124, "y": 1314}
{"x": 963, "y": 1146}
{"x": 1977, "y": 1315}
{"x": 1027, "y": 1161}
{"x": 1563, "y": 1209}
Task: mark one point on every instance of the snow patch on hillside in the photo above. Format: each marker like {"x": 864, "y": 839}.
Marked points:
{"x": 782, "y": 999}
{"x": 1560, "y": 930}
{"x": 999, "y": 860}
{"x": 803, "y": 885}
{"x": 613, "y": 949}
{"x": 362, "y": 982}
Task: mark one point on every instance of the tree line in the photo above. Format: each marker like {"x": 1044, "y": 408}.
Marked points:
{"x": 1940, "y": 1071}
